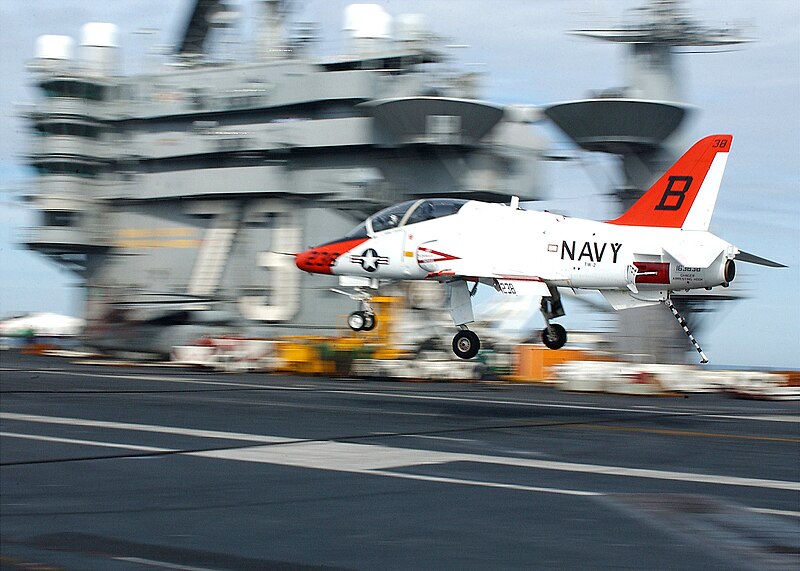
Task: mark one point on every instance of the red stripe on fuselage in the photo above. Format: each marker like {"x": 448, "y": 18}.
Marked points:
{"x": 652, "y": 272}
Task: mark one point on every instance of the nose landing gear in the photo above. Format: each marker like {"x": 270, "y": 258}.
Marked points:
{"x": 361, "y": 320}
{"x": 364, "y": 318}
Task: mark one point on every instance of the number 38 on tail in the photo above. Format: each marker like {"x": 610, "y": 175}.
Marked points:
{"x": 660, "y": 245}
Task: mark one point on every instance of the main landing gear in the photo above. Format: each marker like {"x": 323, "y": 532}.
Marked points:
{"x": 466, "y": 343}
{"x": 554, "y": 336}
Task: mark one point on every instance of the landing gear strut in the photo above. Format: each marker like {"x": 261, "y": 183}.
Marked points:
{"x": 466, "y": 344}
{"x": 364, "y": 318}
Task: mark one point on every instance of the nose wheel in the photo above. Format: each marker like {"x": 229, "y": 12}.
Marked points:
{"x": 364, "y": 318}
{"x": 466, "y": 344}
{"x": 361, "y": 321}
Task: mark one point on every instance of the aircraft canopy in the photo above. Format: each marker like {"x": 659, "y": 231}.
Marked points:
{"x": 409, "y": 212}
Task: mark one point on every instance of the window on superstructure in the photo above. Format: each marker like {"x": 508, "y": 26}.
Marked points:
{"x": 60, "y": 218}
{"x": 69, "y": 168}
{"x": 74, "y": 89}
{"x": 263, "y": 220}
{"x": 69, "y": 128}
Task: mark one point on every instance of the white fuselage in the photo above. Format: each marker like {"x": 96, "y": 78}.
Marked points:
{"x": 659, "y": 245}
{"x": 496, "y": 241}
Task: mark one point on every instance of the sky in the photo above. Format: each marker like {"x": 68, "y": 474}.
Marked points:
{"x": 521, "y": 49}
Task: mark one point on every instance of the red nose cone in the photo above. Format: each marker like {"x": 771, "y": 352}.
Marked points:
{"x": 320, "y": 260}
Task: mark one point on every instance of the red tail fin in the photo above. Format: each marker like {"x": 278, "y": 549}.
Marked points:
{"x": 685, "y": 195}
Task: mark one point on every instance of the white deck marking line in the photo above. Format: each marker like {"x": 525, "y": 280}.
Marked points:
{"x": 373, "y": 472}
{"x": 765, "y": 418}
{"x": 348, "y": 457}
{"x": 645, "y": 473}
{"x": 448, "y": 438}
{"x": 337, "y": 455}
{"x": 483, "y": 484}
{"x": 85, "y": 442}
{"x": 145, "y": 428}
{"x": 161, "y": 564}
{"x": 164, "y": 379}
{"x": 769, "y": 511}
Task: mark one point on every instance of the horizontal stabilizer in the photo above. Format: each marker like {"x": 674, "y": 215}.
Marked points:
{"x": 687, "y": 255}
{"x": 753, "y": 259}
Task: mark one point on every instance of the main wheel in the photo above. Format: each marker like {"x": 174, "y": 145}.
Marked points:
{"x": 356, "y": 320}
{"x": 466, "y": 344}
{"x": 554, "y": 336}
{"x": 369, "y": 322}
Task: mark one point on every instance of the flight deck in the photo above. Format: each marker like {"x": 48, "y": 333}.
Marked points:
{"x": 107, "y": 467}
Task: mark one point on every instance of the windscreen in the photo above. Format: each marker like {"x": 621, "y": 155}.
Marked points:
{"x": 359, "y": 231}
{"x": 409, "y": 212}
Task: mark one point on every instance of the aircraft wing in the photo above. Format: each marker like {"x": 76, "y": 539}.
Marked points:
{"x": 625, "y": 300}
{"x": 511, "y": 284}
{"x": 508, "y": 283}
{"x": 499, "y": 270}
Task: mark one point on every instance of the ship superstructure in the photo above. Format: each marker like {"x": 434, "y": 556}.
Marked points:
{"x": 180, "y": 195}
{"x": 638, "y": 123}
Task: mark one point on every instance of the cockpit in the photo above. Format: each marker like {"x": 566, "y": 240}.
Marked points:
{"x": 409, "y": 212}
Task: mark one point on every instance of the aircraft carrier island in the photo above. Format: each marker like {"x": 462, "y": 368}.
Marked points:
{"x": 180, "y": 195}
